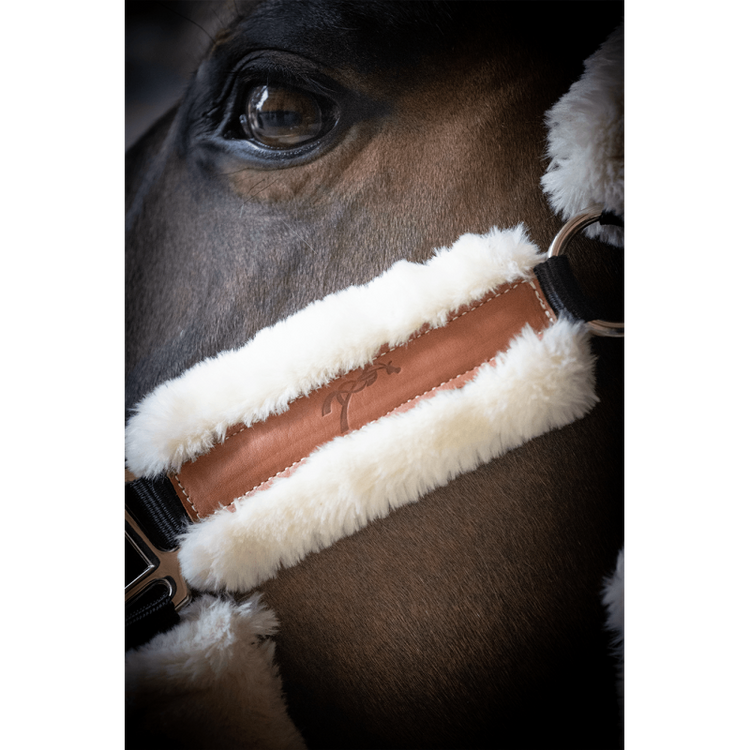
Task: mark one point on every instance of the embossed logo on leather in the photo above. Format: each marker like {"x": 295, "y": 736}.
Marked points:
{"x": 349, "y": 388}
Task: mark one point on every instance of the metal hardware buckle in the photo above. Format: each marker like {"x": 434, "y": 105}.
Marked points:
{"x": 159, "y": 567}
{"x": 560, "y": 242}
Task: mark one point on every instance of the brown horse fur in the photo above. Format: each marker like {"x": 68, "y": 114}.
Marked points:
{"x": 471, "y": 618}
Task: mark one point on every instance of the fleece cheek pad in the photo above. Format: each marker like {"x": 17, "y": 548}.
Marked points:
{"x": 366, "y": 418}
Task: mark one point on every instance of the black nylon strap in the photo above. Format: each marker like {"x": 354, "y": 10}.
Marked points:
{"x": 561, "y": 289}
{"x": 559, "y": 285}
{"x": 151, "y": 613}
{"x": 155, "y": 505}
{"x": 611, "y": 219}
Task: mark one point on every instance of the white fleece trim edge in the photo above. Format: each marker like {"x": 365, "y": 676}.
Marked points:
{"x": 613, "y": 598}
{"x": 586, "y": 141}
{"x": 217, "y": 662}
{"x": 185, "y": 417}
{"x": 537, "y": 385}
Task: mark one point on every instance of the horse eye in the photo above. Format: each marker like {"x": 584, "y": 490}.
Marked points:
{"x": 282, "y": 117}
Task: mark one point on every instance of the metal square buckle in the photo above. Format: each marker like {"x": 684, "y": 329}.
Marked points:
{"x": 150, "y": 566}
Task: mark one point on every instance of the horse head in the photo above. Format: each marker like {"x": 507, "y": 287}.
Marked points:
{"x": 317, "y": 144}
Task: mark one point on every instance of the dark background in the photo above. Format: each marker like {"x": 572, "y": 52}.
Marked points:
{"x": 164, "y": 43}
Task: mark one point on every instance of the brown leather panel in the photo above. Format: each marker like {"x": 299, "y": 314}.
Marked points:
{"x": 397, "y": 380}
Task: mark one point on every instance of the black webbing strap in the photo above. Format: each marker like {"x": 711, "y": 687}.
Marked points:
{"x": 562, "y": 290}
{"x": 152, "y": 613}
{"x": 559, "y": 285}
{"x": 613, "y": 220}
{"x": 155, "y": 505}
{"x": 158, "y": 511}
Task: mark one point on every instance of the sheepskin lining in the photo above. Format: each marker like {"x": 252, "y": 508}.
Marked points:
{"x": 397, "y": 380}
{"x": 539, "y": 383}
{"x": 586, "y": 141}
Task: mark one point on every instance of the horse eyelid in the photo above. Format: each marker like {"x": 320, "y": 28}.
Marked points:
{"x": 221, "y": 125}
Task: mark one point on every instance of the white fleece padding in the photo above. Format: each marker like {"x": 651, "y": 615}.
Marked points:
{"x": 615, "y": 599}
{"x": 211, "y": 681}
{"x": 185, "y": 417}
{"x": 586, "y": 141}
{"x": 537, "y": 385}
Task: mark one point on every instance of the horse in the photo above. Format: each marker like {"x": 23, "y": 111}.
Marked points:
{"x": 472, "y": 618}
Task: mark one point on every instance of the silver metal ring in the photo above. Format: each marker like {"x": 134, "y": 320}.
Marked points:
{"x": 579, "y": 222}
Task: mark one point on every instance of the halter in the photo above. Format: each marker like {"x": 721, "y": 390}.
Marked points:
{"x": 250, "y": 459}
